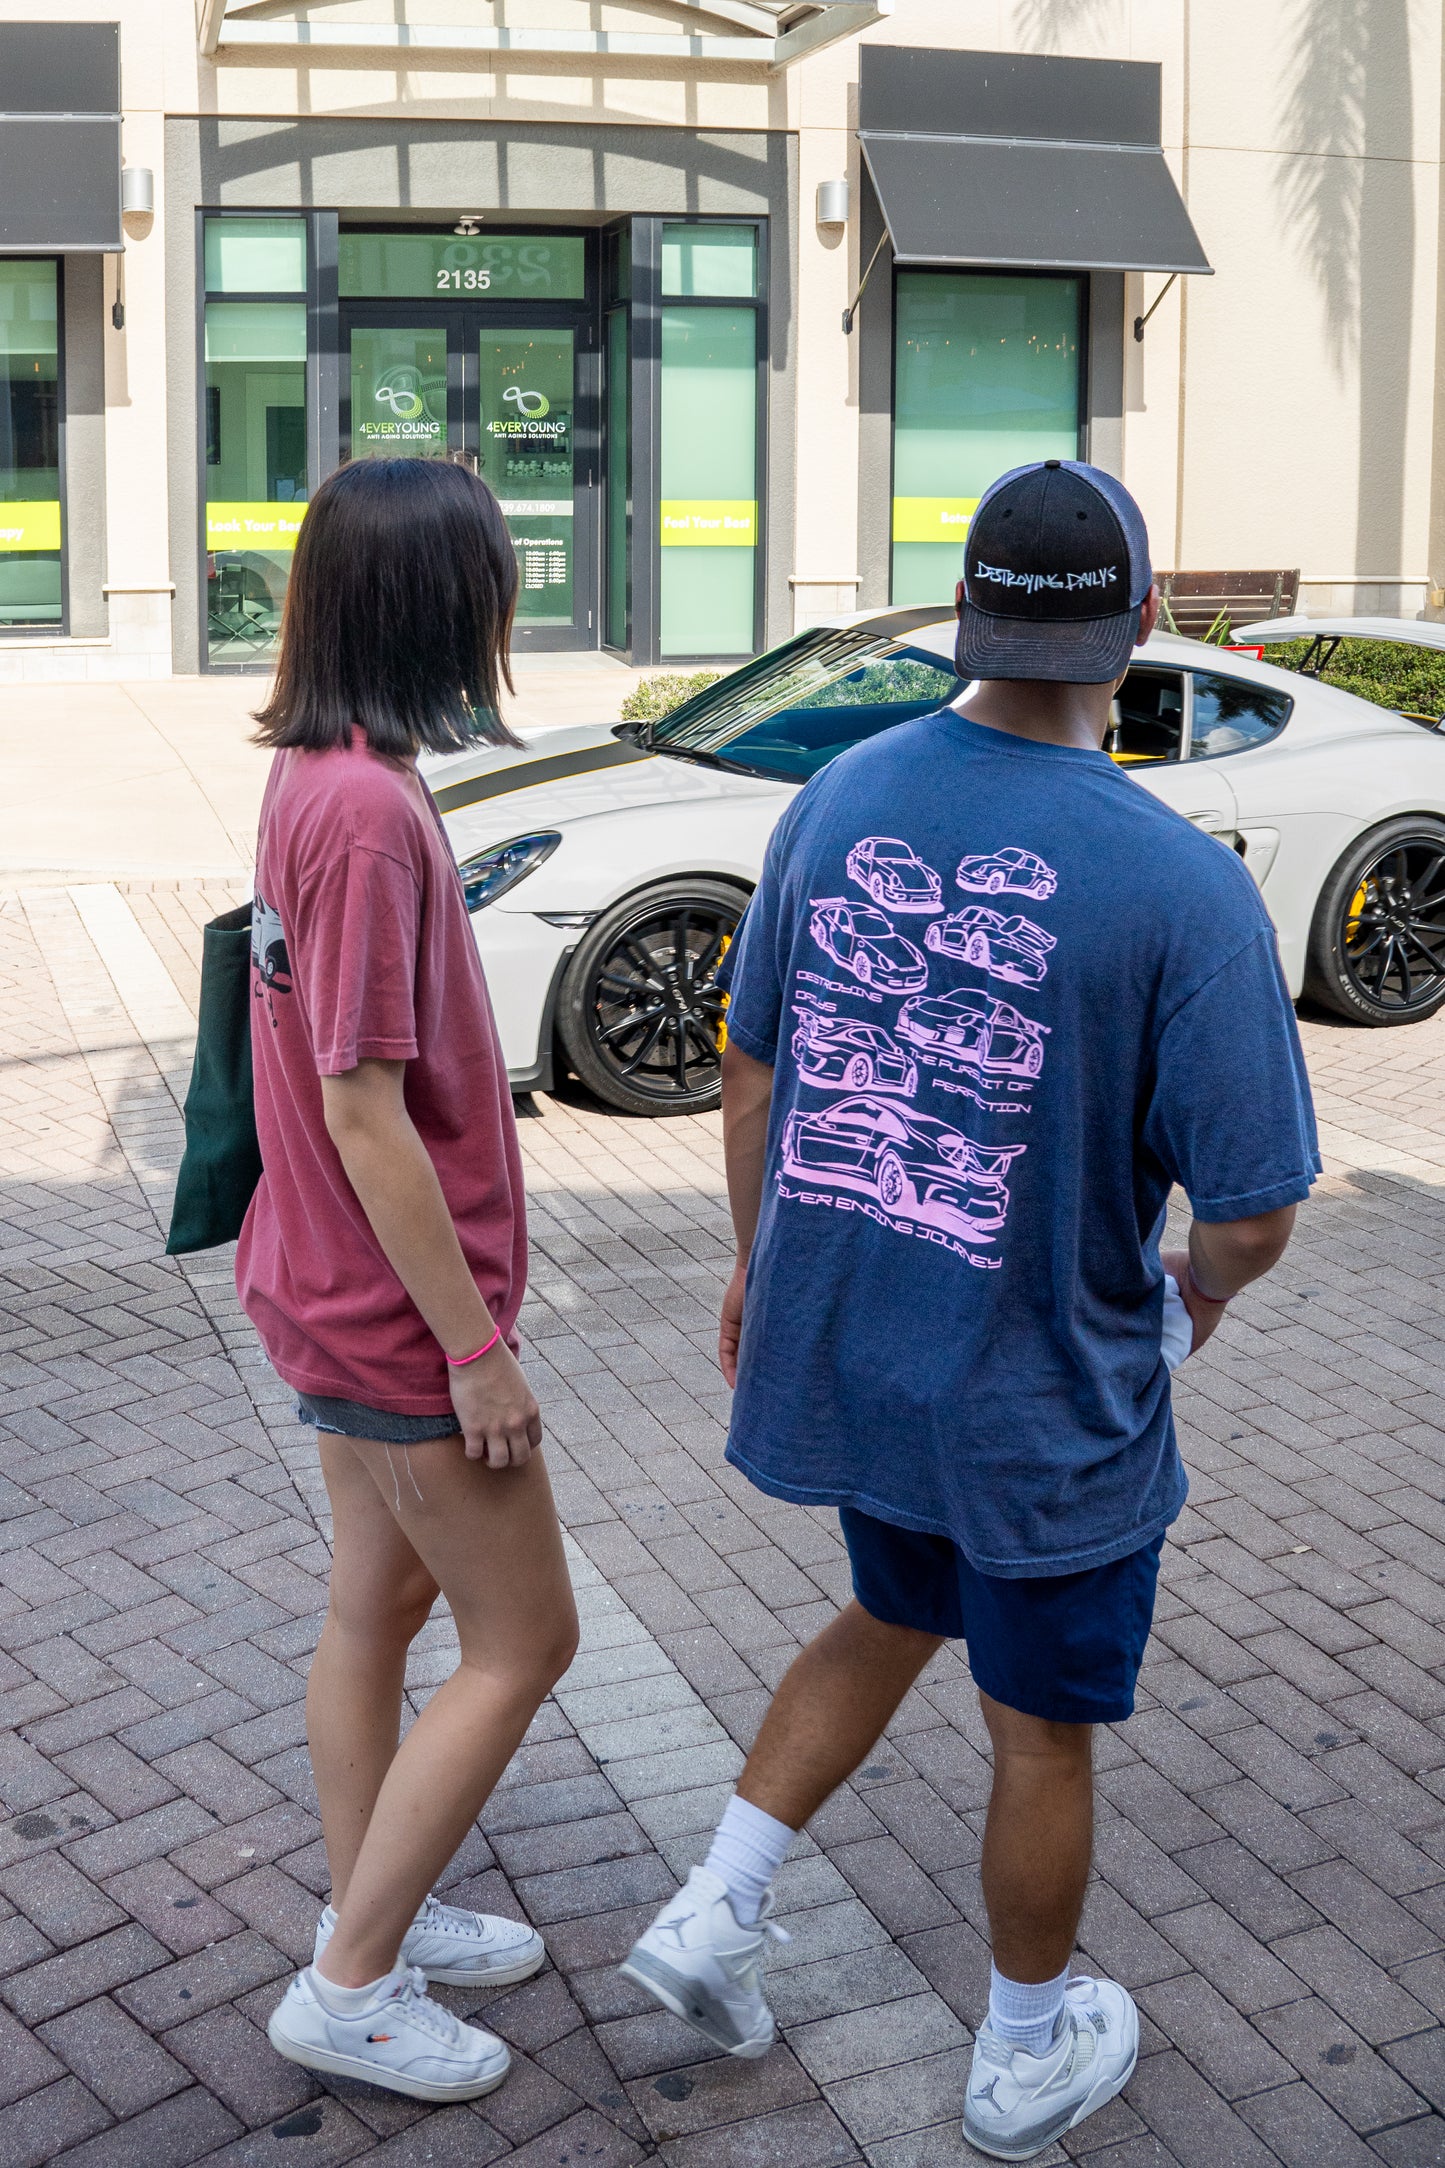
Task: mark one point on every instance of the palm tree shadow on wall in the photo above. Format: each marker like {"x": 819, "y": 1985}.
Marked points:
{"x": 1347, "y": 201}
{"x": 1056, "y": 25}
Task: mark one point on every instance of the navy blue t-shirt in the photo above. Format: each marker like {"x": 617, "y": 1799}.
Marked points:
{"x": 1009, "y": 998}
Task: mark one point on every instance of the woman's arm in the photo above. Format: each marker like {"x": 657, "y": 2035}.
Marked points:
{"x": 747, "y": 1091}
{"x": 396, "y": 1184}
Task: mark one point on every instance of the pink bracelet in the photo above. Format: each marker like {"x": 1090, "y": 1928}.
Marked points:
{"x": 459, "y": 1362}
{"x": 1216, "y": 1302}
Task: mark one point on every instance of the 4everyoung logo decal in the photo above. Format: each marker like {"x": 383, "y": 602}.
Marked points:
{"x": 874, "y": 1149}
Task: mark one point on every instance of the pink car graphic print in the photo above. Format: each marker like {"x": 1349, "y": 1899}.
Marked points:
{"x": 1014, "y": 948}
{"x": 894, "y": 875}
{"x": 976, "y": 1032}
{"x": 839, "y": 1050}
{"x": 1012, "y": 871}
{"x": 918, "y": 1169}
{"x": 863, "y": 942}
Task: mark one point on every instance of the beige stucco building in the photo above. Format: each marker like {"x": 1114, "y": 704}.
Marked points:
{"x": 597, "y": 246}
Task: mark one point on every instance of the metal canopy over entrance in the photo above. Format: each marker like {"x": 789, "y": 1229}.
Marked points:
{"x": 1022, "y": 160}
{"x": 59, "y": 137}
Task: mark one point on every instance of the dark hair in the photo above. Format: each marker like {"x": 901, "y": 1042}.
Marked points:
{"x": 398, "y": 614}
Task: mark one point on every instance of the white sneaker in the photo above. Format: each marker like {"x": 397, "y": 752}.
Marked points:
{"x": 461, "y": 1949}
{"x": 1018, "y": 2103}
{"x": 698, "y": 1962}
{"x": 403, "y": 2041}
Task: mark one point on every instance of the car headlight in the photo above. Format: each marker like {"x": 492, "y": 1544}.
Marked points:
{"x": 492, "y": 872}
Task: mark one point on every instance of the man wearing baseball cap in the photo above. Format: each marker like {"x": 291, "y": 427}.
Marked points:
{"x": 950, "y": 1318}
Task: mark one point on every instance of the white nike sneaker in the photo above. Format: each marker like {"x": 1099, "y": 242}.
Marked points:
{"x": 403, "y": 2041}
{"x": 700, "y": 1963}
{"x": 1018, "y": 2103}
{"x": 461, "y": 1949}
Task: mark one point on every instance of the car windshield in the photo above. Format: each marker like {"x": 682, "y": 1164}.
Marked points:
{"x": 792, "y": 711}
{"x": 872, "y": 923}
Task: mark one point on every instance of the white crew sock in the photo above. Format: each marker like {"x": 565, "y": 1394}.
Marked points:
{"x": 747, "y": 1852}
{"x": 1024, "y": 2013}
{"x": 347, "y": 2001}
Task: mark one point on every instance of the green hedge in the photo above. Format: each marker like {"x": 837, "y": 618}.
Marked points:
{"x": 658, "y": 696}
{"x": 1385, "y": 671}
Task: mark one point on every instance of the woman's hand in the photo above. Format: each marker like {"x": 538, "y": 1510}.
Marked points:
{"x": 730, "y": 1330}
{"x": 501, "y": 1424}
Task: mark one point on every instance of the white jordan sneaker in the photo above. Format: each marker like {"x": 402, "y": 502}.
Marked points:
{"x": 1018, "y": 2103}
{"x": 403, "y": 2041}
{"x": 460, "y": 1949}
{"x": 700, "y": 1963}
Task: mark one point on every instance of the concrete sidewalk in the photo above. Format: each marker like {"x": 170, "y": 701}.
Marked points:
{"x": 157, "y": 780}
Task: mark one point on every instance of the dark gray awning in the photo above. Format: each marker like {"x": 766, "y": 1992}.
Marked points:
{"x": 59, "y": 137}
{"x": 1022, "y": 160}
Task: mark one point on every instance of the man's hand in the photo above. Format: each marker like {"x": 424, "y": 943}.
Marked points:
{"x": 730, "y": 1331}
{"x": 501, "y": 1424}
{"x": 1222, "y": 1258}
{"x": 1203, "y": 1316}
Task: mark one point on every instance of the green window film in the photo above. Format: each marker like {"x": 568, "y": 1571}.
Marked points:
{"x": 399, "y": 393}
{"x": 986, "y": 378}
{"x": 619, "y": 483}
{"x": 500, "y": 266}
{"x": 709, "y": 509}
{"x": 256, "y": 255}
{"x": 710, "y": 262}
{"x": 255, "y": 469}
{"x": 30, "y": 580}
{"x": 528, "y": 451}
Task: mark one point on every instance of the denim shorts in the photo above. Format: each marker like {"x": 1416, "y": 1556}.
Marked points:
{"x": 352, "y": 1419}
{"x": 1066, "y": 1647}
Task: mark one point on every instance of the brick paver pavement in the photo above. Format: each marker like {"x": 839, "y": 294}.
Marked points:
{"x": 1271, "y": 1845}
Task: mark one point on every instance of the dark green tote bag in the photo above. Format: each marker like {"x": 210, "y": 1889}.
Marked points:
{"x": 222, "y": 1162}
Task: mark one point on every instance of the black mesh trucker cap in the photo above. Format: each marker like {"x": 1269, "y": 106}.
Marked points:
{"x": 1055, "y": 567}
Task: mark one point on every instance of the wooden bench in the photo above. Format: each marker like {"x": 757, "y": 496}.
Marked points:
{"x": 1199, "y": 604}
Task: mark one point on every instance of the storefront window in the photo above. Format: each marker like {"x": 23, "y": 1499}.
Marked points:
{"x": 710, "y": 261}
{"x": 619, "y": 482}
{"x": 528, "y": 454}
{"x": 709, "y": 510}
{"x": 255, "y": 255}
{"x": 255, "y": 469}
{"x": 398, "y": 393}
{"x": 987, "y": 378}
{"x": 501, "y": 266}
{"x": 30, "y": 574}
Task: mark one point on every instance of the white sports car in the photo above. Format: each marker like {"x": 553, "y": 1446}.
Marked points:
{"x": 607, "y": 868}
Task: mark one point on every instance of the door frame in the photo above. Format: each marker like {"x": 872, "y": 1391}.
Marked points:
{"x": 466, "y": 321}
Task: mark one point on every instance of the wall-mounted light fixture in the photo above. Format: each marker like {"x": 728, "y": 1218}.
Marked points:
{"x": 137, "y": 191}
{"x": 833, "y": 203}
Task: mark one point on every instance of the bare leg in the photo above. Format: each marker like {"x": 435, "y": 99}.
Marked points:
{"x": 378, "y": 1602}
{"x": 831, "y": 1710}
{"x": 490, "y": 1540}
{"x": 1038, "y": 1841}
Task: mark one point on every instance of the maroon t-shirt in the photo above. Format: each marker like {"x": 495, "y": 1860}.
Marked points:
{"x": 362, "y": 947}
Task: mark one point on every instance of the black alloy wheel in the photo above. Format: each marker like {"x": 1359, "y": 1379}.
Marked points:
{"x": 640, "y": 1016}
{"x": 1377, "y": 948}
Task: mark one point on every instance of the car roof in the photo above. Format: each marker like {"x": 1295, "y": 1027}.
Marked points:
{"x": 1407, "y": 631}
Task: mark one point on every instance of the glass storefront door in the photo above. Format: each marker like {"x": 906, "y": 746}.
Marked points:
{"x": 503, "y": 395}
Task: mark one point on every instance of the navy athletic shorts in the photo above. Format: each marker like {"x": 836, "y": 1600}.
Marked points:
{"x": 1066, "y": 1646}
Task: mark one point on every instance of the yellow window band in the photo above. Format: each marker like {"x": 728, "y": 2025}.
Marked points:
{"x": 253, "y": 526}
{"x": 932, "y": 519}
{"x": 709, "y": 523}
{"x": 33, "y": 526}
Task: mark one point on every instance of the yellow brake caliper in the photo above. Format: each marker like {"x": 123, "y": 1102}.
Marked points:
{"x": 722, "y": 1022}
{"x": 1355, "y": 912}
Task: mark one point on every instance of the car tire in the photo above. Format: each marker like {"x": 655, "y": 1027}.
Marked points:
{"x": 1379, "y": 918}
{"x": 891, "y": 1177}
{"x": 910, "y": 1081}
{"x": 862, "y": 970}
{"x": 859, "y": 1073}
{"x": 623, "y": 1034}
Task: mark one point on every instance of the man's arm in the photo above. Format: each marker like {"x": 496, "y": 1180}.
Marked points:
{"x": 747, "y": 1091}
{"x": 396, "y": 1184}
{"x": 1224, "y": 1256}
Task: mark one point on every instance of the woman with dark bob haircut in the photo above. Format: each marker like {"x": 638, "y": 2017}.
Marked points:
{"x": 383, "y": 1259}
